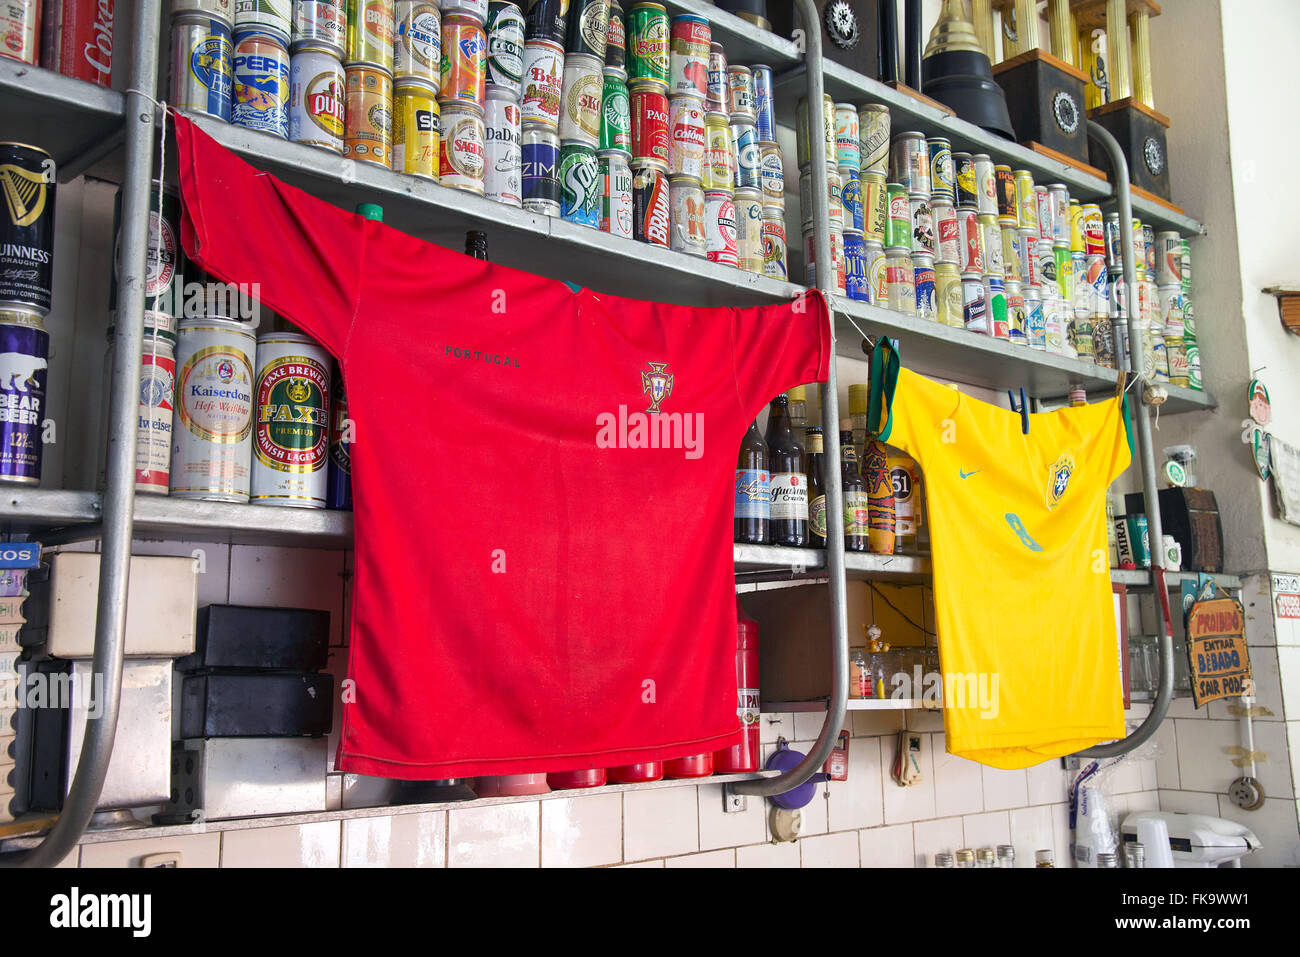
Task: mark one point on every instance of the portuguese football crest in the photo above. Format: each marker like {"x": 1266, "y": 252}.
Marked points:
{"x": 656, "y": 382}
{"x": 1058, "y": 480}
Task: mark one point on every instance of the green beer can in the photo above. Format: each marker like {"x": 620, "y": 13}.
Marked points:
{"x": 615, "y": 114}
{"x": 580, "y": 184}
{"x": 647, "y": 42}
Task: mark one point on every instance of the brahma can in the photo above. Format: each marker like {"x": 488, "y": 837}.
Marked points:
{"x": 686, "y": 136}
{"x": 213, "y": 426}
{"x": 464, "y": 60}
{"x": 27, "y": 179}
{"x": 461, "y": 147}
{"x": 502, "y": 175}
{"x": 291, "y": 429}
{"x": 370, "y": 32}
{"x": 580, "y": 185}
{"x": 719, "y": 155}
{"x": 687, "y": 196}
{"x": 24, "y": 364}
{"x": 580, "y": 115}
{"x": 539, "y": 159}
{"x": 616, "y": 194}
{"x": 505, "y": 46}
{"x": 260, "y": 70}
{"x": 720, "y": 228}
{"x": 543, "y": 81}
{"x": 20, "y": 30}
{"x": 368, "y": 134}
{"x": 688, "y": 56}
{"x": 201, "y": 77}
{"x": 272, "y": 17}
{"x": 647, "y": 43}
{"x": 775, "y": 247}
{"x": 652, "y": 214}
{"x": 321, "y": 23}
{"x": 749, "y": 230}
{"x": 317, "y": 98}
{"x": 417, "y": 51}
{"x": 416, "y": 130}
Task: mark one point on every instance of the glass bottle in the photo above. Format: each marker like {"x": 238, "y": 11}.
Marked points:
{"x": 965, "y": 857}
{"x": 1006, "y": 856}
{"x": 1106, "y": 860}
{"x": 984, "y": 857}
{"x": 860, "y": 682}
{"x": 1044, "y": 859}
{"x": 1135, "y": 855}
{"x": 476, "y": 244}
{"x": 855, "y": 495}
{"x": 789, "y": 512}
{"x": 943, "y": 859}
{"x": 753, "y": 490}
{"x": 816, "y": 487}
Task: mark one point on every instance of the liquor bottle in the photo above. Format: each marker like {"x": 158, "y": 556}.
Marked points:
{"x": 1006, "y": 856}
{"x": 813, "y": 463}
{"x": 880, "y": 499}
{"x": 753, "y": 490}
{"x": 789, "y": 514}
{"x": 904, "y": 478}
{"x": 476, "y": 244}
{"x": 856, "y": 516}
{"x": 1044, "y": 858}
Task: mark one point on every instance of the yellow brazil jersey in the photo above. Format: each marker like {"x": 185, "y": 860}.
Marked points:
{"x": 1022, "y": 587}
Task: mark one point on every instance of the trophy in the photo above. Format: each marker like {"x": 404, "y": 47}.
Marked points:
{"x": 958, "y": 72}
{"x": 1128, "y": 110}
{"x": 1045, "y": 90}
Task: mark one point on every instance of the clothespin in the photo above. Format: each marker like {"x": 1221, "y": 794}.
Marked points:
{"x": 1022, "y": 408}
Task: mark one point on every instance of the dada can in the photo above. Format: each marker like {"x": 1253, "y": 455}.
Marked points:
{"x": 321, "y": 23}
{"x": 749, "y": 230}
{"x": 272, "y": 17}
{"x": 317, "y": 98}
{"x": 542, "y": 83}
{"x": 539, "y": 162}
{"x": 687, "y": 199}
{"x": 502, "y": 166}
{"x": 291, "y": 421}
{"x": 652, "y": 213}
{"x": 720, "y": 228}
{"x": 461, "y": 147}
{"x": 464, "y": 60}
{"x": 775, "y": 246}
{"x": 749, "y": 155}
{"x": 587, "y": 28}
{"x": 260, "y": 70}
{"x": 740, "y": 90}
{"x": 368, "y": 135}
{"x": 686, "y": 136}
{"x": 615, "y": 113}
{"x": 505, "y": 46}
{"x": 201, "y": 77}
{"x": 27, "y": 179}
{"x": 24, "y": 363}
{"x": 580, "y": 185}
{"x": 415, "y": 130}
{"x": 417, "y": 49}
{"x": 688, "y": 56}
{"x": 616, "y": 195}
{"x": 213, "y": 425}
{"x": 647, "y": 43}
{"x": 583, "y": 85}
{"x": 650, "y": 135}
{"x": 371, "y": 25}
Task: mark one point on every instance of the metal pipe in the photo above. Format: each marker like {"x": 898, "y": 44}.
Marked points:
{"x": 1146, "y": 452}
{"x": 119, "y": 493}
{"x": 838, "y": 704}
{"x": 887, "y": 42}
{"x": 912, "y": 43}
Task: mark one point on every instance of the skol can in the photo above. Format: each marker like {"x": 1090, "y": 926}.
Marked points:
{"x": 898, "y": 230}
{"x": 827, "y": 130}
{"x": 1004, "y": 184}
{"x": 719, "y": 156}
{"x": 580, "y": 184}
{"x": 368, "y": 135}
{"x": 900, "y": 279}
{"x": 371, "y": 25}
{"x": 587, "y": 28}
{"x": 544, "y": 20}
{"x": 848, "y": 143}
{"x": 720, "y": 228}
{"x": 213, "y": 425}
{"x": 1060, "y": 218}
{"x": 25, "y": 346}
{"x": 1016, "y": 318}
{"x": 652, "y": 212}
{"x": 417, "y": 48}
{"x": 415, "y": 130}
{"x": 749, "y": 230}
{"x": 967, "y": 184}
{"x": 461, "y": 147}
{"x": 260, "y": 72}
{"x": 463, "y": 66}
{"x": 686, "y": 136}
{"x": 647, "y": 43}
{"x": 991, "y": 245}
{"x": 972, "y": 243}
{"x": 616, "y": 38}
{"x": 543, "y": 82}
{"x": 996, "y": 293}
{"x": 201, "y": 68}
{"x": 922, "y": 225}
{"x": 650, "y": 136}
{"x": 986, "y": 185}
{"x": 322, "y": 24}
{"x": 775, "y": 247}
{"x": 27, "y": 179}
{"x": 740, "y": 86}
{"x": 924, "y": 283}
{"x": 772, "y": 176}
{"x": 688, "y": 56}
{"x": 947, "y": 295}
{"x": 1169, "y": 259}
{"x": 873, "y": 138}
{"x": 540, "y": 162}
{"x": 877, "y": 274}
{"x": 616, "y": 194}
{"x": 910, "y": 160}
{"x": 851, "y": 198}
{"x": 943, "y": 180}
{"x": 764, "y": 104}
{"x": 749, "y": 155}
{"x": 317, "y": 99}
{"x": 580, "y": 116}
{"x": 502, "y": 162}
{"x": 875, "y": 207}
{"x": 291, "y": 421}
{"x": 686, "y": 196}
{"x": 855, "y": 267}
{"x": 1026, "y": 201}
{"x": 1012, "y": 254}
{"x": 717, "y": 98}
{"x": 947, "y": 235}
{"x": 975, "y": 305}
{"x": 616, "y": 113}
{"x": 505, "y": 46}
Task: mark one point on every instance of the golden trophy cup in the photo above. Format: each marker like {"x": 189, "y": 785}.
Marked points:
{"x": 957, "y": 71}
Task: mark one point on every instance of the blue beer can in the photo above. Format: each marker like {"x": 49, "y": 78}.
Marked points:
{"x": 201, "y": 70}
{"x": 260, "y": 68}
{"x": 924, "y": 282}
{"x": 24, "y": 362}
{"x": 856, "y": 284}
{"x": 1035, "y": 327}
{"x": 540, "y": 165}
{"x": 764, "y": 104}
{"x": 851, "y": 198}
{"x": 749, "y": 157}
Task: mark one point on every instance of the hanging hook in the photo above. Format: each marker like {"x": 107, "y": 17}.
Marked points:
{"x": 1022, "y": 408}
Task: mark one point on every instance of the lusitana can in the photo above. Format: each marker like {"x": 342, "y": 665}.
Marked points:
{"x": 24, "y": 355}
{"x": 291, "y": 421}
{"x": 213, "y": 426}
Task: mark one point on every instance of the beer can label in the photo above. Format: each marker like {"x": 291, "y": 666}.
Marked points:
{"x": 650, "y": 137}
{"x": 616, "y": 37}
{"x": 317, "y": 100}
{"x": 647, "y": 44}
{"x": 789, "y": 497}
{"x": 688, "y": 56}
{"x": 505, "y": 47}
{"x": 753, "y": 494}
{"x": 986, "y": 186}
{"x": 947, "y": 235}
{"x": 24, "y": 354}
{"x": 900, "y": 219}
{"x": 749, "y": 231}
{"x": 153, "y": 438}
{"x": 764, "y": 104}
{"x": 689, "y": 234}
{"x": 582, "y": 88}
{"x": 1026, "y": 201}
{"x": 540, "y": 162}
{"x": 719, "y": 157}
{"x": 416, "y": 133}
{"x": 464, "y": 61}
{"x": 923, "y": 282}
{"x": 1034, "y": 329}
{"x": 911, "y": 163}
{"x": 502, "y": 176}
{"x": 616, "y": 198}
{"x": 995, "y": 291}
{"x": 873, "y": 140}
{"x": 291, "y": 433}
{"x": 212, "y": 432}
{"x": 417, "y": 52}
{"x": 543, "y": 82}
{"x": 975, "y": 305}
{"x": 720, "y": 229}
{"x": 775, "y": 249}
{"x": 851, "y": 199}
{"x": 1011, "y": 253}
{"x": 991, "y": 245}
{"x": 749, "y": 156}
{"x": 462, "y": 151}
{"x": 943, "y": 180}
{"x": 718, "y": 96}
{"x": 368, "y": 136}
{"x": 1103, "y": 342}
{"x": 370, "y": 32}
{"x": 1004, "y": 182}
{"x": 772, "y": 177}
{"x": 968, "y": 191}
{"x": 848, "y": 144}
{"x": 580, "y": 186}
{"x": 855, "y": 268}
{"x": 947, "y": 296}
{"x": 875, "y": 209}
{"x": 900, "y": 278}
{"x": 686, "y": 139}
{"x": 922, "y": 218}
{"x": 201, "y": 77}
{"x": 651, "y": 206}
{"x": 616, "y": 115}
{"x": 878, "y": 276}
{"x": 1016, "y": 318}
{"x": 740, "y": 83}
{"x": 588, "y": 28}
{"x": 972, "y": 243}
{"x": 323, "y": 22}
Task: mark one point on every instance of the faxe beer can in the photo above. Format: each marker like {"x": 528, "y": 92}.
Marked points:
{"x": 27, "y": 180}
{"x": 501, "y": 148}
{"x": 580, "y": 115}
{"x": 688, "y": 233}
{"x": 540, "y": 163}
{"x": 587, "y": 28}
{"x": 291, "y": 421}
{"x": 616, "y": 194}
{"x": 461, "y": 147}
{"x": 686, "y": 136}
{"x": 775, "y": 246}
{"x": 368, "y": 135}
{"x": 322, "y": 24}
{"x": 851, "y": 199}
{"x": 370, "y": 33}
{"x": 25, "y": 347}
{"x": 542, "y": 83}
{"x": 688, "y": 57}
{"x": 260, "y": 73}
{"x": 717, "y": 98}
{"x": 505, "y": 46}
{"x": 615, "y": 114}
{"x": 749, "y": 230}
{"x": 647, "y": 43}
{"x": 580, "y": 184}
{"x": 720, "y": 228}
{"x": 417, "y": 50}
{"x": 201, "y": 69}
{"x": 652, "y": 215}
{"x": 463, "y": 67}
{"x": 317, "y": 98}
{"x": 415, "y": 130}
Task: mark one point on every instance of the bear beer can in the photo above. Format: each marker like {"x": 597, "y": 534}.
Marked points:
{"x": 539, "y": 159}
{"x": 616, "y": 194}
{"x": 291, "y": 412}
{"x": 201, "y": 69}
{"x": 687, "y": 199}
{"x": 368, "y": 136}
{"x": 775, "y": 246}
{"x": 317, "y": 98}
{"x": 417, "y": 49}
{"x": 415, "y": 130}
{"x": 461, "y": 147}
{"x": 505, "y": 46}
{"x": 502, "y": 164}
{"x": 24, "y": 364}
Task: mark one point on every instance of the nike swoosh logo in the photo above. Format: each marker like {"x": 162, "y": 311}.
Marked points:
{"x": 967, "y": 475}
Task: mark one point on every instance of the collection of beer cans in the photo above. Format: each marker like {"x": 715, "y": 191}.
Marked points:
{"x": 72, "y": 37}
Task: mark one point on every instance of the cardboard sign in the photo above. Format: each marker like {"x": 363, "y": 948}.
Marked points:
{"x": 1216, "y": 649}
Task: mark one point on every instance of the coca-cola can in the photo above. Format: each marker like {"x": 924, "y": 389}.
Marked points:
{"x": 720, "y": 228}
{"x": 652, "y": 214}
{"x": 688, "y": 56}
{"x": 616, "y": 194}
{"x": 749, "y": 230}
{"x": 77, "y": 40}
{"x": 775, "y": 247}
{"x": 718, "y": 94}
{"x": 686, "y": 136}
{"x": 687, "y": 196}
{"x": 502, "y": 171}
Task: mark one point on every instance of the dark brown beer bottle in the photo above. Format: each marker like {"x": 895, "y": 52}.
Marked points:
{"x": 753, "y": 490}
{"x": 789, "y": 514}
{"x": 476, "y": 244}
{"x": 814, "y": 463}
{"x": 855, "y": 495}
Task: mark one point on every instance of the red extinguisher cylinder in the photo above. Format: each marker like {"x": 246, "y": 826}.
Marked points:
{"x": 743, "y": 756}
{"x": 694, "y": 766}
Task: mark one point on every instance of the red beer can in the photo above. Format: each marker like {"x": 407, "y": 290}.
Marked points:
{"x": 972, "y": 251}
{"x": 77, "y": 39}
{"x": 650, "y": 139}
{"x": 652, "y": 210}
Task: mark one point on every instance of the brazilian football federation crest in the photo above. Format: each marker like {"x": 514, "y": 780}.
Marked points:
{"x": 656, "y": 382}
{"x": 1058, "y": 480}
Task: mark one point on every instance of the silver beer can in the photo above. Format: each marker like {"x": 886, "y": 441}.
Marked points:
{"x": 686, "y": 197}
{"x": 584, "y": 82}
{"x": 749, "y": 230}
{"x": 502, "y": 177}
{"x": 317, "y": 97}
{"x": 417, "y": 43}
{"x": 616, "y": 193}
{"x": 273, "y": 17}
{"x": 321, "y": 23}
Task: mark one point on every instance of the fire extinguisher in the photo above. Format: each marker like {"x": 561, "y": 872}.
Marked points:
{"x": 745, "y": 755}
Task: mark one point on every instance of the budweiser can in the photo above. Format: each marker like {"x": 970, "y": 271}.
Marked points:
{"x": 417, "y": 50}
{"x": 749, "y": 230}
{"x": 201, "y": 76}
{"x": 317, "y": 99}
{"x": 321, "y": 23}
{"x": 771, "y": 176}
{"x": 943, "y": 180}
{"x": 291, "y": 421}
{"x": 717, "y": 97}
{"x": 213, "y": 425}
{"x": 273, "y": 17}
{"x": 260, "y": 71}
{"x": 855, "y": 268}
{"x": 505, "y": 46}
{"x": 686, "y": 136}
{"x": 719, "y": 156}
{"x": 461, "y": 147}
{"x": 580, "y": 184}
{"x": 542, "y": 83}
{"x": 153, "y": 439}
{"x": 775, "y": 248}
{"x": 20, "y": 30}
{"x": 368, "y": 135}
{"x": 947, "y": 295}
{"x": 749, "y": 155}
{"x": 415, "y": 130}
{"x": 688, "y": 57}
{"x": 687, "y": 200}
{"x": 848, "y": 147}
{"x": 922, "y": 217}
{"x": 616, "y": 38}
{"x": 764, "y": 104}
{"x": 76, "y": 40}
{"x": 873, "y": 138}
{"x": 583, "y": 85}
{"x": 502, "y": 169}
{"x": 740, "y": 89}
{"x": 947, "y": 235}
{"x": 615, "y": 113}
{"x": 910, "y": 160}
{"x": 587, "y": 28}
{"x": 463, "y": 67}
{"x": 616, "y": 194}
{"x": 652, "y": 214}
{"x": 720, "y": 228}
{"x": 650, "y": 137}
{"x": 370, "y": 32}
{"x": 647, "y": 43}
{"x": 875, "y": 207}
{"x": 540, "y": 162}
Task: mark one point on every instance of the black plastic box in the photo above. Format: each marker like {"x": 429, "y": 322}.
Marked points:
{"x": 225, "y": 705}
{"x": 274, "y": 639}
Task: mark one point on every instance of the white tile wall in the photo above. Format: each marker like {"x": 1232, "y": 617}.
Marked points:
{"x": 887, "y": 846}
{"x": 660, "y": 823}
{"x": 830, "y": 850}
{"x": 725, "y": 858}
{"x": 403, "y": 840}
{"x": 299, "y": 845}
{"x": 768, "y": 855}
{"x": 196, "y": 850}
{"x": 582, "y": 831}
{"x": 501, "y": 835}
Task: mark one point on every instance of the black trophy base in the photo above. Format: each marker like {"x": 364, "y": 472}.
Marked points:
{"x": 963, "y": 81}
{"x": 849, "y": 30}
{"x": 1045, "y": 101}
{"x": 1142, "y": 134}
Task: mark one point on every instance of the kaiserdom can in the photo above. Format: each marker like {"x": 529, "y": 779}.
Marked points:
{"x": 686, "y": 136}
{"x": 321, "y": 23}
{"x": 543, "y": 82}
{"x": 461, "y": 147}
{"x": 415, "y": 130}
{"x": 687, "y": 198}
{"x": 368, "y": 135}
{"x": 749, "y": 230}
{"x": 260, "y": 72}
{"x": 616, "y": 194}
{"x": 505, "y": 46}
{"x": 688, "y": 57}
{"x": 417, "y": 51}
{"x": 463, "y": 66}
{"x": 201, "y": 70}
{"x": 370, "y": 32}
{"x": 291, "y": 421}
{"x": 580, "y": 116}
{"x": 502, "y": 164}
{"x": 213, "y": 425}
{"x": 720, "y": 228}
{"x": 775, "y": 245}
{"x": 647, "y": 43}
{"x": 317, "y": 99}
{"x": 580, "y": 184}
{"x": 26, "y": 349}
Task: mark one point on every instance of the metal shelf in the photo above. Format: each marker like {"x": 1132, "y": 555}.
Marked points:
{"x": 1141, "y": 578}
{"x": 854, "y": 704}
{"x": 72, "y": 120}
{"x": 745, "y": 43}
{"x": 776, "y": 562}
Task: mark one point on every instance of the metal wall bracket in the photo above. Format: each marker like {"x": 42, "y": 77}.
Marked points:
{"x": 732, "y": 803}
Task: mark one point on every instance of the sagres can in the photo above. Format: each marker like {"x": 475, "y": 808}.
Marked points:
{"x": 260, "y": 70}
{"x": 580, "y": 184}
{"x": 464, "y": 60}
{"x": 317, "y": 98}
{"x": 587, "y": 28}
{"x": 647, "y": 43}
{"x": 24, "y": 355}
{"x": 417, "y": 51}
{"x": 272, "y": 17}
{"x": 505, "y": 46}
{"x": 688, "y": 56}
{"x": 616, "y": 194}
{"x": 415, "y": 130}
{"x": 291, "y": 429}
{"x": 749, "y": 230}
{"x": 650, "y": 137}
{"x": 720, "y": 228}
{"x": 543, "y": 81}
{"x": 615, "y": 113}
{"x": 164, "y": 258}
{"x": 776, "y": 251}
{"x": 616, "y": 37}
{"x": 873, "y": 138}
{"x": 370, "y": 32}
{"x": 652, "y": 213}
{"x": 771, "y": 175}
{"x": 201, "y": 78}
{"x": 20, "y": 30}
{"x": 583, "y": 85}
{"x": 368, "y": 135}
{"x": 461, "y": 147}
{"x": 687, "y": 197}
{"x": 686, "y": 136}
{"x": 27, "y": 179}
{"x": 502, "y": 176}
{"x": 321, "y": 23}
{"x": 719, "y": 156}
{"x": 213, "y": 426}
{"x": 539, "y": 160}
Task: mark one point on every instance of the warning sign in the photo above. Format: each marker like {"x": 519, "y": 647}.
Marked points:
{"x": 1286, "y": 595}
{"x": 1216, "y": 647}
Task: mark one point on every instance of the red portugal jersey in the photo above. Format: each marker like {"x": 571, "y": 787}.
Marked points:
{"x": 543, "y": 484}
